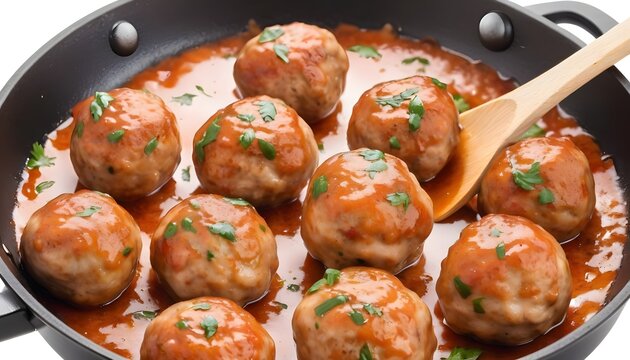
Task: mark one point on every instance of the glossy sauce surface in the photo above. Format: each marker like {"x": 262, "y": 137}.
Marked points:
{"x": 594, "y": 256}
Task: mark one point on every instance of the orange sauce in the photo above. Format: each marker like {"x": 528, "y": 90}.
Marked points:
{"x": 595, "y": 256}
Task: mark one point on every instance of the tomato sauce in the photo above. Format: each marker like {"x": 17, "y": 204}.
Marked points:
{"x": 595, "y": 256}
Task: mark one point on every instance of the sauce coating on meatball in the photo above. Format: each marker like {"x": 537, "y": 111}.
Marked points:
{"x": 362, "y": 313}
{"x": 211, "y": 245}
{"x": 414, "y": 119}
{"x": 83, "y": 248}
{"x": 506, "y": 280}
{"x": 206, "y": 328}
{"x": 547, "y": 180}
{"x": 257, "y": 149}
{"x": 364, "y": 207}
{"x": 302, "y": 64}
{"x": 125, "y": 143}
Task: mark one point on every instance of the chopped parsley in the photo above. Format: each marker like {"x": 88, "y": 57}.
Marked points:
{"x": 209, "y": 255}
{"x": 186, "y": 173}
{"x": 195, "y": 204}
{"x": 399, "y": 199}
{"x": 320, "y": 186}
{"x": 99, "y": 104}
{"x": 376, "y": 167}
{"x": 144, "y": 314}
{"x": 181, "y": 324}
{"x": 462, "y": 288}
{"x": 527, "y": 180}
{"x": 187, "y": 224}
{"x": 127, "y": 250}
{"x": 170, "y": 231}
{"x": 270, "y": 34}
{"x": 416, "y": 112}
{"x": 246, "y": 117}
{"x": 209, "y": 325}
{"x": 373, "y": 310}
{"x": 500, "y": 250}
{"x": 372, "y": 155}
{"x": 365, "y": 353}
{"x": 43, "y": 186}
{"x": 209, "y": 136}
{"x": 495, "y": 232}
{"x": 267, "y": 110}
{"x": 78, "y": 130}
{"x": 267, "y": 148}
{"x": 89, "y": 211}
{"x": 357, "y": 317}
{"x": 460, "y": 103}
{"x": 477, "y": 307}
{"x": 331, "y": 276}
{"x": 237, "y": 201}
{"x": 223, "y": 229}
{"x": 282, "y": 305}
{"x": 438, "y": 83}
{"x": 394, "y": 143}
{"x": 326, "y": 306}
{"x": 459, "y": 353}
{"x": 419, "y": 59}
{"x": 201, "y": 307}
{"x": 246, "y": 138}
{"x": 282, "y": 52}
{"x": 202, "y": 90}
{"x": 320, "y": 146}
{"x": 38, "y": 157}
{"x": 397, "y": 100}
{"x": 546, "y": 196}
{"x": 151, "y": 145}
{"x": 365, "y": 51}
{"x": 116, "y": 136}
{"x": 533, "y": 131}
{"x": 185, "y": 99}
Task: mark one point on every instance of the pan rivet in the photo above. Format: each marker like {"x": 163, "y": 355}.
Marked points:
{"x": 495, "y": 31}
{"x": 123, "y": 38}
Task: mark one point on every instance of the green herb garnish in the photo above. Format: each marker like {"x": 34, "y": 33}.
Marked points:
{"x": 399, "y": 199}
{"x": 438, "y": 83}
{"x": 533, "y": 131}
{"x": 201, "y": 307}
{"x": 368, "y": 52}
{"x": 170, "y": 231}
{"x": 186, "y": 173}
{"x": 202, "y": 90}
{"x": 195, "y": 204}
{"x": 185, "y": 99}
{"x": 546, "y": 196}
{"x": 320, "y": 186}
{"x": 87, "y": 212}
{"x": 394, "y": 143}
{"x": 495, "y": 232}
{"x": 209, "y": 325}
{"x": 270, "y": 34}
{"x": 320, "y": 146}
{"x": 38, "y": 157}
{"x": 78, "y": 130}
{"x": 99, "y": 104}
{"x": 246, "y": 138}
{"x": 237, "y": 201}
{"x": 419, "y": 59}
{"x": 372, "y": 155}
{"x": 209, "y": 255}
{"x": 246, "y": 117}
{"x": 151, "y": 145}
{"x": 397, "y": 100}
{"x": 282, "y": 52}
{"x": 500, "y": 250}
{"x": 477, "y": 307}
{"x": 365, "y": 353}
{"x": 43, "y": 186}
{"x": 331, "y": 276}
{"x": 116, "y": 136}
{"x": 326, "y": 306}
{"x": 376, "y": 167}
{"x": 373, "y": 310}
{"x": 460, "y": 103}
{"x": 144, "y": 314}
{"x": 267, "y": 148}
{"x": 209, "y": 136}
{"x": 126, "y": 251}
{"x": 223, "y": 229}
{"x": 357, "y": 317}
{"x": 187, "y": 224}
{"x": 181, "y": 324}
{"x": 267, "y": 110}
{"x": 459, "y": 353}
{"x": 282, "y": 305}
{"x": 527, "y": 180}
{"x": 416, "y": 112}
{"x": 462, "y": 288}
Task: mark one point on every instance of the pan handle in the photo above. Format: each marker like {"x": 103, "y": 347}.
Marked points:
{"x": 583, "y": 15}
{"x": 14, "y": 315}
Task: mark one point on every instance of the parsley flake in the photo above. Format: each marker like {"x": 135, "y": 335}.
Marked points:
{"x": 399, "y": 199}
{"x": 246, "y": 117}
{"x": 459, "y": 353}
{"x": 419, "y": 59}
{"x": 223, "y": 229}
{"x": 326, "y": 306}
{"x": 320, "y": 186}
{"x": 267, "y": 110}
{"x": 209, "y": 255}
{"x": 185, "y": 99}
{"x": 500, "y": 250}
{"x": 202, "y": 90}
{"x": 270, "y": 34}
{"x": 438, "y": 83}
{"x": 181, "y": 324}
{"x": 394, "y": 143}
{"x": 282, "y": 52}
{"x": 209, "y": 325}
{"x": 397, "y": 100}
{"x": 462, "y": 288}
{"x": 282, "y": 305}
{"x": 527, "y": 180}
{"x": 170, "y": 231}
{"x": 246, "y": 138}
{"x": 373, "y": 310}
{"x": 546, "y": 196}
{"x": 331, "y": 276}
{"x": 533, "y": 131}
{"x": 116, "y": 136}
{"x": 460, "y": 103}
{"x": 209, "y": 136}
{"x": 144, "y": 314}
{"x": 372, "y": 155}
{"x": 99, "y": 104}
{"x": 89, "y": 211}
{"x": 477, "y": 306}
{"x": 293, "y": 287}
{"x": 237, "y": 201}
{"x": 376, "y": 167}
{"x": 201, "y": 307}
{"x": 267, "y": 148}
{"x": 151, "y": 145}
{"x": 357, "y": 317}
{"x": 495, "y": 232}
{"x": 38, "y": 157}
{"x": 186, "y": 173}
{"x": 365, "y": 51}
{"x": 127, "y": 250}
{"x": 43, "y": 186}
{"x": 187, "y": 224}
{"x": 365, "y": 353}
{"x": 416, "y": 112}
{"x": 78, "y": 130}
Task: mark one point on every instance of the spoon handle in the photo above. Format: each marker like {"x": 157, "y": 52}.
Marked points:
{"x": 541, "y": 94}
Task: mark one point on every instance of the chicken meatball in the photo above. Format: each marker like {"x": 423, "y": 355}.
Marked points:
{"x": 302, "y": 64}
{"x": 364, "y": 207}
{"x": 547, "y": 180}
{"x": 366, "y": 313}
{"x": 206, "y": 328}
{"x": 125, "y": 143}
{"x": 257, "y": 149}
{"x": 414, "y": 119}
{"x": 83, "y": 248}
{"x": 506, "y": 280}
{"x": 216, "y": 246}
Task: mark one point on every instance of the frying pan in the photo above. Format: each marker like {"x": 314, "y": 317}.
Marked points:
{"x": 81, "y": 60}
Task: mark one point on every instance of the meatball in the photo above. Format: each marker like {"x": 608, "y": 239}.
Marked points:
{"x": 211, "y": 245}
{"x": 257, "y": 149}
{"x": 414, "y": 119}
{"x": 506, "y": 280}
{"x": 83, "y": 248}
{"x": 206, "y": 328}
{"x": 125, "y": 143}
{"x": 302, "y": 64}
{"x": 366, "y": 313}
{"x": 547, "y": 180}
{"x": 364, "y": 207}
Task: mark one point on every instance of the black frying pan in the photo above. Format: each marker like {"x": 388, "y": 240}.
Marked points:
{"x": 80, "y": 60}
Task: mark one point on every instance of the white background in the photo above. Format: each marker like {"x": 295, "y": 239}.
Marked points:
{"x": 25, "y": 25}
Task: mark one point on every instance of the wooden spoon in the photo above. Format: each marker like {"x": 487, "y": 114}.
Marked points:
{"x": 490, "y": 127}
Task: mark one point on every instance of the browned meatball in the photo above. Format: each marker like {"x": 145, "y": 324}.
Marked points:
{"x": 206, "y": 328}
{"x": 257, "y": 149}
{"x": 302, "y": 64}
{"x": 366, "y": 314}
{"x": 506, "y": 280}
{"x": 211, "y": 245}
{"x": 125, "y": 143}
{"x": 82, "y": 247}
{"x": 547, "y": 180}
{"x": 364, "y": 207}
{"x": 414, "y": 119}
